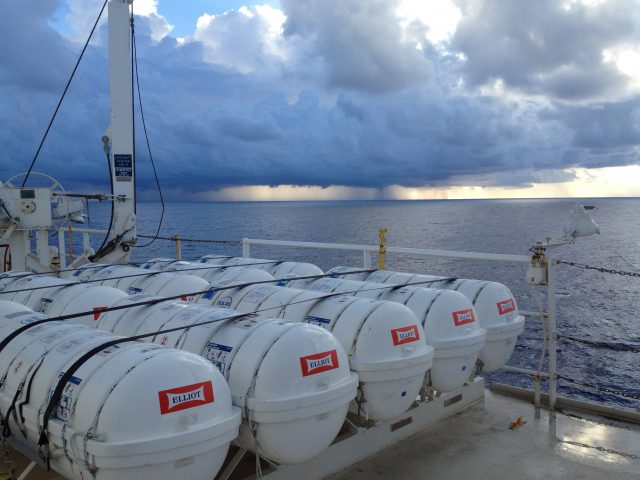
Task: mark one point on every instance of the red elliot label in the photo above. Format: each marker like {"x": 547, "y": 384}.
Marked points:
{"x": 405, "y": 335}
{"x": 182, "y": 398}
{"x": 463, "y": 317}
{"x": 506, "y": 306}
{"x": 319, "y": 362}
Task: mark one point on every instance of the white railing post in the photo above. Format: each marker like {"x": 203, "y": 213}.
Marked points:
{"x": 62, "y": 251}
{"x": 246, "y": 248}
{"x": 551, "y": 311}
{"x": 42, "y": 247}
{"x": 86, "y": 245}
{"x": 366, "y": 259}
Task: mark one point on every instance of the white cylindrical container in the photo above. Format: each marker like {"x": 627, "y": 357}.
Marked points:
{"x": 384, "y": 341}
{"x": 165, "y": 264}
{"x": 493, "y": 302}
{"x": 498, "y": 313}
{"x": 83, "y": 272}
{"x": 62, "y": 297}
{"x": 20, "y": 288}
{"x": 448, "y": 319}
{"x": 291, "y": 380}
{"x": 214, "y": 273}
{"x": 9, "y": 277}
{"x": 134, "y": 280}
{"x": 276, "y": 268}
{"x": 131, "y": 411}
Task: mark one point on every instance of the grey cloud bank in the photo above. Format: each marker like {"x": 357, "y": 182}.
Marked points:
{"x": 340, "y": 96}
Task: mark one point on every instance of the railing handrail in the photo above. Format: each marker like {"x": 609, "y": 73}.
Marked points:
{"x": 499, "y": 257}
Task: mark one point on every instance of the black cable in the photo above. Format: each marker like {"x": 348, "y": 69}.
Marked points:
{"x": 113, "y": 201}
{"x": 53, "y": 117}
{"x": 132, "y": 264}
{"x": 146, "y": 136}
{"x": 3, "y": 206}
{"x": 145, "y": 273}
{"x": 155, "y": 300}
{"x": 133, "y": 120}
{"x": 87, "y": 196}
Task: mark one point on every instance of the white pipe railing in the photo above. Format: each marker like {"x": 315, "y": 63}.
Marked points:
{"x": 497, "y": 257}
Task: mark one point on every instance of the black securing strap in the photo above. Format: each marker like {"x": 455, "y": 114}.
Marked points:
{"x": 9, "y": 338}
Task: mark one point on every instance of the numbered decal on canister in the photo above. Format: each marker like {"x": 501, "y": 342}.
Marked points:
{"x": 182, "y": 398}
{"x": 405, "y": 335}
{"x": 218, "y": 355}
{"x": 319, "y": 362}
{"x": 506, "y": 306}
{"x": 43, "y": 305}
{"x": 462, "y": 317}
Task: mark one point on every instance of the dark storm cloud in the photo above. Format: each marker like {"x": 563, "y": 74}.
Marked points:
{"x": 603, "y": 126}
{"x": 360, "y": 43}
{"x": 546, "y": 47}
{"x": 340, "y": 99}
{"x": 29, "y": 43}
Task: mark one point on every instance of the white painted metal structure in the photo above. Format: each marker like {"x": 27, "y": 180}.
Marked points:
{"x": 119, "y": 136}
{"x": 29, "y": 209}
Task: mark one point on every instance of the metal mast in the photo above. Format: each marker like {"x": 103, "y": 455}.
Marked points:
{"x": 119, "y": 138}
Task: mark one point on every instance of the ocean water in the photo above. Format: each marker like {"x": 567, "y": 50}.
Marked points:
{"x": 591, "y": 304}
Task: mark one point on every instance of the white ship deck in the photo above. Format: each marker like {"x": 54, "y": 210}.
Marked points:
{"x": 477, "y": 443}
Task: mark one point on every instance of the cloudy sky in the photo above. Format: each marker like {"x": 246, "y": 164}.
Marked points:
{"x": 326, "y": 99}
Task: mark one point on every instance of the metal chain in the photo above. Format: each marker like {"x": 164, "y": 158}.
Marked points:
{"x": 600, "y": 389}
{"x": 192, "y": 240}
{"x": 601, "y": 269}
{"x": 601, "y": 449}
{"x": 618, "y": 346}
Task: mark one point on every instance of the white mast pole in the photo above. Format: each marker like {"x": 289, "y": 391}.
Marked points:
{"x": 121, "y": 154}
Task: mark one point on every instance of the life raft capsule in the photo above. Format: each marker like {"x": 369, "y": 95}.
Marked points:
{"x": 289, "y": 379}
{"x": 55, "y": 296}
{"x": 448, "y": 319}
{"x": 133, "y": 280}
{"x": 384, "y": 340}
{"x": 276, "y": 268}
{"x": 214, "y": 274}
{"x": 493, "y": 302}
{"x": 134, "y": 410}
